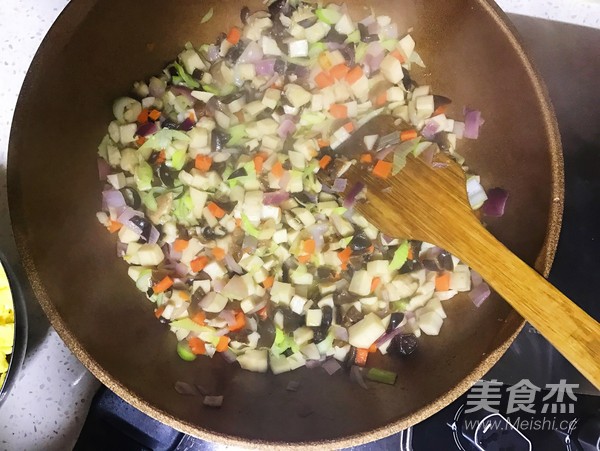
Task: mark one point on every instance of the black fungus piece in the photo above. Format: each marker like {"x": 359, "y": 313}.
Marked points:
{"x": 220, "y": 38}
{"x": 244, "y": 13}
{"x": 153, "y": 157}
{"x": 445, "y": 261}
{"x": 235, "y": 52}
{"x": 431, "y": 265}
{"x": 308, "y": 22}
{"x": 229, "y": 98}
{"x": 360, "y": 243}
{"x": 218, "y": 140}
{"x": 171, "y": 125}
{"x": 439, "y": 101}
{"x": 280, "y": 66}
{"x": 173, "y": 71}
{"x": 365, "y": 36}
{"x": 298, "y": 70}
{"x": 352, "y": 316}
{"x": 325, "y": 273}
{"x": 407, "y": 81}
{"x": 241, "y": 172}
{"x": 350, "y": 358}
{"x": 441, "y": 139}
{"x": 280, "y": 7}
{"x": 349, "y": 54}
{"x": 395, "y": 320}
{"x": 291, "y": 320}
{"x": 198, "y": 74}
{"x": 212, "y": 233}
{"x": 327, "y": 317}
{"x": 303, "y": 198}
{"x": 410, "y": 266}
{"x": 165, "y": 176}
{"x": 144, "y": 225}
{"x": 266, "y": 329}
{"x": 131, "y": 196}
{"x": 403, "y": 345}
{"x": 319, "y": 334}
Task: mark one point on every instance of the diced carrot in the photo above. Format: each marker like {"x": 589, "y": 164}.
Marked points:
{"x": 339, "y": 71}
{"x": 381, "y": 99}
{"x": 361, "y": 356}
{"x": 354, "y": 75}
{"x": 396, "y": 54}
{"x": 375, "y": 283}
{"x": 199, "y": 318}
{"x": 219, "y": 253}
{"x": 258, "y": 163}
{"x": 349, "y": 126}
{"x": 322, "y": 142}
{"x": 410, "y": 255}
{"x": 238, "y": 222}
{"x": 324, "y": 161}
{"x": 215, "y": 210}
{"x": 154, "y": 115}
{"x": 240, "y": 322}
{"x": 324, "y": 61}
{"x": 197, "y": 346}
{"x": 143, "y": 116}
{"x": 180, "y": 245}
{"x": 277, "y": 170}
{"x": 366, "y": 158}
{"x": 371, "y": 249}
{"x": 442, "y": 281}
{"x": 162, "y": 157}
{"x": 223, "y": 344}
{"x": 163, "y": 285}
{"x": 184, "y": 295}
{"x": 304, "y": 258}
{"x": 309, "y": 246}
{"x": 344, "y": 256}
{"x": 440, "y": 110}
{"x": 203, "y": 162}
{"x": 407, "y": 135}
{"x": 382, "y": 169}
{"x": 234, "y": 35}
{"x": 263, "y": 313}
{"x": 338, "y": 111}
{"x": 199, "y": 263}
{"x": 114, "y": 226}
{"x": 372, "y": 348}
{"x": 323, "y": 80}
{"x": 268, "y": 282}
{"x": 159, "y": 311}
{"x": 140, "y": 140}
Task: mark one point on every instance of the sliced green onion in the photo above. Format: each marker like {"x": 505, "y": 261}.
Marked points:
{"x": 207, "y": 16}
{"x": 188, "y": 324}
{"x": 383, "y": 376}
{"x": 400, "y": 256}
{"x": 353, "y": 38}
{"x": 187, "y": 79}
{"x": 143, "y": 176}
{"x": 184, "y": 351}
{"x": 237, "y": 134}
{"x": 178, "y": 159}
{"x": 249, "y": 227}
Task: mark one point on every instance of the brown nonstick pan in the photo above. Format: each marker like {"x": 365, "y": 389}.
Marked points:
{"x": 94, "y": 52}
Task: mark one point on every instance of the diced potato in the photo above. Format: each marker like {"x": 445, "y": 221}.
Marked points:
{"x": 150, "y": 255}
{"x": 314, "y": 317}
{"x": 361, "y": 283}
{"x": 282, "y": 292}
{"x": 254, "y": 360}
{"x": 364, "y": 333}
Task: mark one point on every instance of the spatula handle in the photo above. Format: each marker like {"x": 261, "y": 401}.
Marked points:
{"x": 571, "y": 330}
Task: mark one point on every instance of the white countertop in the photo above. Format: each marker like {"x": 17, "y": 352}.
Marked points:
{"x": 48, "y": 405}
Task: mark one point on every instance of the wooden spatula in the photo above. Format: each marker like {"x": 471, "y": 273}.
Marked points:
{"x": 430, "y": 203}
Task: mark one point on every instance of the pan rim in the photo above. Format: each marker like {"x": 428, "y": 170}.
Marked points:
{"x": 76, "y": 11}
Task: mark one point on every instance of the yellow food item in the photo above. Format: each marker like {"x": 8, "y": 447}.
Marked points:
{"x": 7, "y": 324}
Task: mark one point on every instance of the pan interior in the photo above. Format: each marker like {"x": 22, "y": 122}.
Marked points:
{"x": 93, "y": 54}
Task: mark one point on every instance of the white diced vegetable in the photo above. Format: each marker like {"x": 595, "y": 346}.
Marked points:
{"x": 213, "y": 302}
{"x": 406, "y": 45}
{"x": 254, "y": 360}
{"x": 279, "y": 364}
{"x": 282, "y": 292}
{"x": 429, "y": 322}
{"x": 298, "y": 48}
{"x": 361, "y": 283}
{"x": 460, "y": 278}
{"x": 297, "y": 304}
{"x": 215, "y": 270}
{"x": 391, "y": 68}
{"x": 303, "y": 335}
{"x": 317, "y": 32}
{"x": 310, "y": 351}
{"x": 314, "y": 317}
{"x": 345, "y": 25}
{"x": 150, "y": 255}
{"x": 364, "y": 333}
{"x": 297, "y": 95}
{"x": 126, "y": 235}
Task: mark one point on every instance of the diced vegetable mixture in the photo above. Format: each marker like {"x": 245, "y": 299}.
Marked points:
{"x": 211, "y": 188}
{"x": 7, "y": 324}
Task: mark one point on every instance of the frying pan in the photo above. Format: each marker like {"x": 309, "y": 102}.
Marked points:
{"x": 94, "y": 52}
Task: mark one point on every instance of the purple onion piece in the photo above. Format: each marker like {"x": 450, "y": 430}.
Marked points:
{"x": 154, "y": 236}
{"x": 286, "y": 128}
{"x": 232, "y": 264}
{"x": 228, "y": 316}
{"x": 104, "y": 169}
{"x": 313, "y": 363}
{"x": 354, "y": 191}
{"x": 265, "y": 68}
{"x": 476, "y": 278}
{"x": 430, "y": 129}
{"x": 275, "y": 197}
{"x": 229, "y": 356}
{"x": 212, "y": 54}
{"x": 495, "y": 203}
{"x": 183, "y": 91}
{"x": 384, "y": 152}
{"x": 428, "y": 154}
{"x": 113, "y": 199}
{"x": 331, "y": 366}
{"x": 149, "y": 128}
{"x": 339, "y": 185}
{"x": 479, "y": 294}
{"x": 262, "y": 304}
{"x": 356, "y": 376}
{"x": 183, "y": 388}
{"x": 388, "y": 336}
{"x": 473, "y": 121}
{"x": 186, "y": 125}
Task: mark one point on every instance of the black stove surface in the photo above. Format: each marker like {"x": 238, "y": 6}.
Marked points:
{"x": 568, "y": 58}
